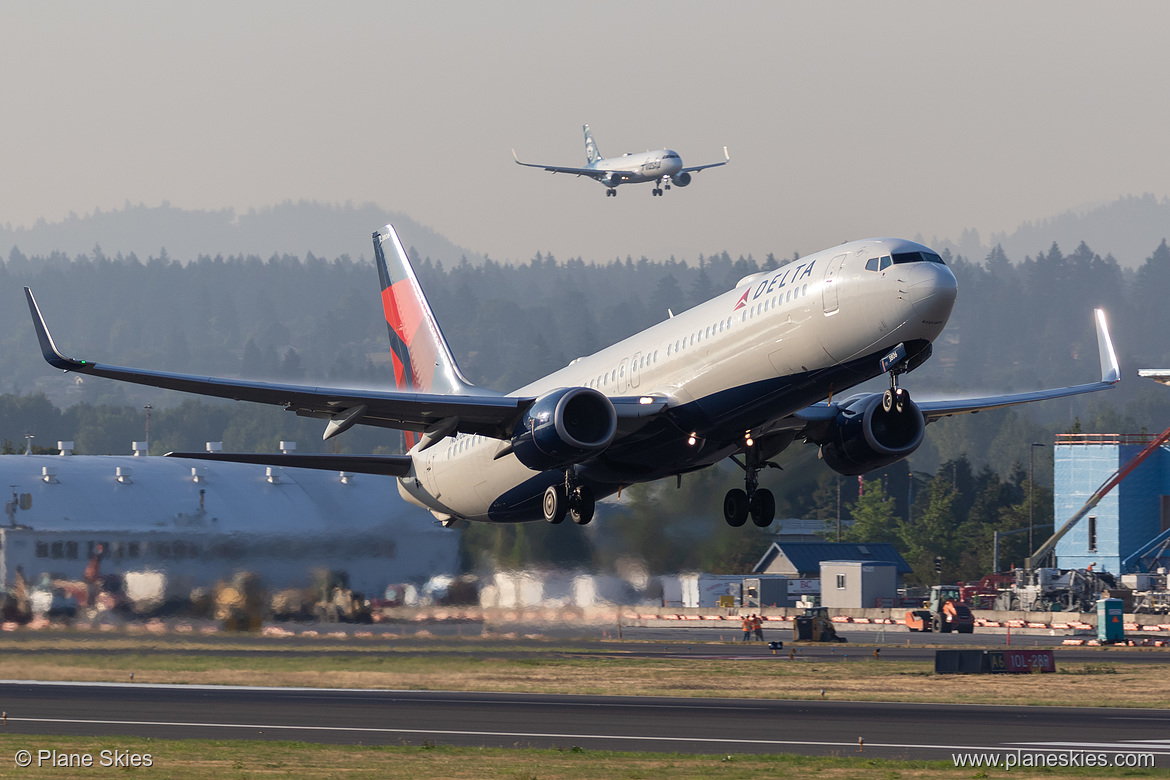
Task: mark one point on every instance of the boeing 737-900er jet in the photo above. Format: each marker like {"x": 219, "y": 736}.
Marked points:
{"x": 741, "y": 376}
{"x": 663, "y": 167}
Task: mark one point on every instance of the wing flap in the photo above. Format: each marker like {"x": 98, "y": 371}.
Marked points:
{"x": 382, "y": 465}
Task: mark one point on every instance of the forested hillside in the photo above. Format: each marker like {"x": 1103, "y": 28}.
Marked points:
{"x": 1020, "y": 323}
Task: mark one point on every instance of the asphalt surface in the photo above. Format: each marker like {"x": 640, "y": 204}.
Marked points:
{"x": 933, "y": 731}
{"x": 894, "y": 644}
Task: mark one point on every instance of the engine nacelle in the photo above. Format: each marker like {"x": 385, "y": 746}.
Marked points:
{"x": 865, "y": 436}
{"x": 564, "y": 427}
{"x": 681, "y": 179}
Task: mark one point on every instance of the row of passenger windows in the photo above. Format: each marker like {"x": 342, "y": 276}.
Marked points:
{"x": 639, "y": 363}
{"x": 698, "y": 336}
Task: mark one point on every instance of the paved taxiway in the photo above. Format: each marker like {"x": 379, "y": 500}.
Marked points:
{"x": 591, "y": 722}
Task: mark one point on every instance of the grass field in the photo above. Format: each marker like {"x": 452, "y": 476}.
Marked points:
{"x": 229, "y": 759}
{"x": 537, "y": 667}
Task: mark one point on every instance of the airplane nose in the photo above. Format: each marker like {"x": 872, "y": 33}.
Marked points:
{"x": 932, "y": 290}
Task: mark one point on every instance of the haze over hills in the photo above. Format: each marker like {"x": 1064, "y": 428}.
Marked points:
{"x": 1129, "y": 228}
{"x": 326, "y": 230}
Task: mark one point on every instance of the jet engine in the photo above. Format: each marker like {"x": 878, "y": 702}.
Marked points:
{"x": 564, "y": 427}
{"x": 867, "y": 436}
{"x": 681, "y": 179}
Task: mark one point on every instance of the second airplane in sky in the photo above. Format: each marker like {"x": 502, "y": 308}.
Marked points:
{"x": 664, "y": 167}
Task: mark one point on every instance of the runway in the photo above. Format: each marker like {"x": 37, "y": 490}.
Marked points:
{"x": 933, "y": 731}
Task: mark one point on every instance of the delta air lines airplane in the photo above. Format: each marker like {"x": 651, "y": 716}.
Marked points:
{"x": 663, "y": 167}
{"x": 741, "y": 376}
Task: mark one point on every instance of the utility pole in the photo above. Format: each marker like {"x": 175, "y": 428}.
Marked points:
{"x": 1031, "y": 491}
{"x": 148, "y": 407}
{"x": 838, "y": 507}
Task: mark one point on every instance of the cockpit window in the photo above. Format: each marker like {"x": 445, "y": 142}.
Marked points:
{"x": 886, "y": 262}
{"x": 916, "y": 257}
{"x": 871, "y": 264}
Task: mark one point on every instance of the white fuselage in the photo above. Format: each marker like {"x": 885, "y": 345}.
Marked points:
{"x": 804, "y": 319}
{"x": 642, "y": 167}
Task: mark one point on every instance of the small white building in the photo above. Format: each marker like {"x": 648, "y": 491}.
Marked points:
{"x": 859, "y": 584}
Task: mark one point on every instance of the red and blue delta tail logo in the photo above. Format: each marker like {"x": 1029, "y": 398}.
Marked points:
{"x": 742, "y": 299}
{"x": 420, "y": 355}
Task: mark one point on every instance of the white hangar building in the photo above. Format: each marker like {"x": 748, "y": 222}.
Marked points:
{"x": 202, "y": 521}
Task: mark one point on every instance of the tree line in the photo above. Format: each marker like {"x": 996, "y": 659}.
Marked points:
{"x": 1017, "y": 325}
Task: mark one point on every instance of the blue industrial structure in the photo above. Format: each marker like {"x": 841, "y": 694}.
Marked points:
{"x": 1128, "y": 531}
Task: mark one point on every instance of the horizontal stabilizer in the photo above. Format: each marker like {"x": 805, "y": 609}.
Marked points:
{"x": 382, "y": 465}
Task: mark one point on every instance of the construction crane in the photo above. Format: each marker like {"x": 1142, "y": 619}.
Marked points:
{"x": 1094, "y": 499}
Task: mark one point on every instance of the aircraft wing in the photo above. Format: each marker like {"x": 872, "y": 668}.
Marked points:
{"x": 726, "y": 159}
{"x": 493, "y": 416}
{"x": 1110, "y": 376}
{"x": 812, "y": 421}
{"x": 485, "y": 415}
{"x": 592, "y": 173}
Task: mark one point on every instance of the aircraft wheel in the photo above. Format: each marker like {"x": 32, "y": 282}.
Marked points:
{"x": 581, "y": 505}
{"x": 735, "y": 507}
{"x": 555, "y": 505}
{"x": 887, "y": 400}
{"x": 763, "y": 508}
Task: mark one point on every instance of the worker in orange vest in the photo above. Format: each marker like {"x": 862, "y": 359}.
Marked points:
{"x": 758, "y": 627}
{"x": 747, "y": 627}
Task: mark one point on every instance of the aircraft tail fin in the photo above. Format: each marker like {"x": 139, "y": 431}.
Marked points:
{"x": 422, "y": 359}
{"x": 591, "y": 153}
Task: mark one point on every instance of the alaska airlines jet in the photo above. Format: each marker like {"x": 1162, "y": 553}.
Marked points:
{"x": 741, "y": 376}
{"x": 663, "y": 167}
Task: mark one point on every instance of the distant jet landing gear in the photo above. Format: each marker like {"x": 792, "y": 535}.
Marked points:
{"x": 611, "y": 193}
{"x": 572, "y": 499}
{"x": 756, "y": 502}
{"x": 656, "y": 191}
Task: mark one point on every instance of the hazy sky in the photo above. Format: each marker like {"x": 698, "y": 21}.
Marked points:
{"x": 843, "y": 119}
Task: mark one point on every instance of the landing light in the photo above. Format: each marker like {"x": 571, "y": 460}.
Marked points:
{"x": 645, "y": 400}
{"x": 692, "y": 439}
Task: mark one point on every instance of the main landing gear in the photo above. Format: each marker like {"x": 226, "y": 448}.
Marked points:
{"x": 611, "y": 193}
{"x": 756, "y": 502}
{"x": 570, "y": 499}
{"x": 658, "y": 190}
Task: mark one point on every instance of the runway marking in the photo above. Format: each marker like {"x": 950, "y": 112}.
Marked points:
{"x": 1160, "y": 746}
{"x": 511, "y": 734}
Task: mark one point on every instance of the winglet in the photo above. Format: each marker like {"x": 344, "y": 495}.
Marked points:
{"x": 726, "y": 156}
{"x": 1110, "y": 371}
{"x": 52, "y": 355}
